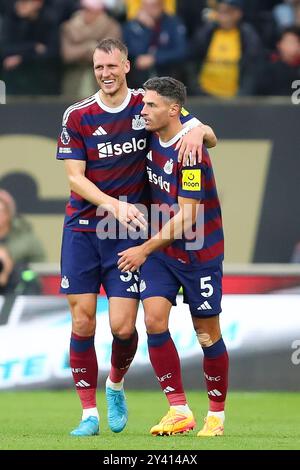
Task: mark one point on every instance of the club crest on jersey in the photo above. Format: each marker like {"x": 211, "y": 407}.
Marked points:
{"x": 64, "y": 136}
{"x": 168, "y": 168}
{"x": 138, "y": 123}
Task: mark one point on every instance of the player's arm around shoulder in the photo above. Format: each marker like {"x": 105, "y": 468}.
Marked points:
{"x": 197, "y": 134}
{"x": 209, "y": 137}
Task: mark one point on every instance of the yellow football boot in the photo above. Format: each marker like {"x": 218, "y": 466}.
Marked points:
{"x": 173, "y": 423}
{"x": 213, "y": 426}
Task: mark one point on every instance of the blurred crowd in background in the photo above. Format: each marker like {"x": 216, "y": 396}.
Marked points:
{"x": 219, "y": 48}
{"x": 19, "y": 246}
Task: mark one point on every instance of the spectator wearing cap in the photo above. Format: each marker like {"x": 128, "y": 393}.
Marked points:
{"x": 19, "y": 246}
{"x": 79, "y": 37}
{"x": 156, "y": 43}
{"x": 227, "y": 53}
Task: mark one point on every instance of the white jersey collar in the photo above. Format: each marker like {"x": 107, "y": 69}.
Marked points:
{"x": 174, "y": 139}
{"x": 113, "y": 110}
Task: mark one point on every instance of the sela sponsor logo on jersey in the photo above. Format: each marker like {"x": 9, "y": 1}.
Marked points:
{"x": 65, "y": 283}
{"x": 64, "y": 136}
{"x": 138, "y": 123}
{"x": 191, "y": 180}
{"x": 79, "y": 370}
{"x": 83, "y": 222}
{"x": 212, "y": 379}
{"x": 158, "y": 180}
{"x": 164, "y": 377}
{"x": 168, "y": 168}
{"x": 107, "y": 149}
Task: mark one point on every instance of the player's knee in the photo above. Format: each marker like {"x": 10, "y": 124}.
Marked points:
{"x": 83, "y": 323}
{"x": 122, "y": 320}
{"x": 204, "y": 338}
{"x": 84, "y": 326}
{"x": 155, "y": 324}
{"x": 123, "y": 330}
{"x": 207, "y": 337}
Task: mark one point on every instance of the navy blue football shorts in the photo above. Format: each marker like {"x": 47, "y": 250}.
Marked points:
{"x": 87, "y": 263}
{"x": 202, "y": 287}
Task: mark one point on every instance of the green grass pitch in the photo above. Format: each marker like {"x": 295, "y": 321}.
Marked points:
{"x": 42, "y": 420}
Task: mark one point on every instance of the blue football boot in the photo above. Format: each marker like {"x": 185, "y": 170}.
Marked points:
{"x": 87, "y": 427}
{"x": 117, "y": 413}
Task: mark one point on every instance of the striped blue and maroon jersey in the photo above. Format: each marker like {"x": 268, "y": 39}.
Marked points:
{"x": 169, "y": 179}
{"x": 113, "y": 142}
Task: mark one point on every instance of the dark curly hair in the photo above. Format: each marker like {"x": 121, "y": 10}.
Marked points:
{"x": 167, "y": 87}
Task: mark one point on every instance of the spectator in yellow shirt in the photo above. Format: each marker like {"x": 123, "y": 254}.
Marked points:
{"x": 133, "y": 6}
{"x": 227, "y": 53}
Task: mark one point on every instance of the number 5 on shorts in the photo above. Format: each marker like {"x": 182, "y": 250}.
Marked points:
{"x": 206, "y": 286}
